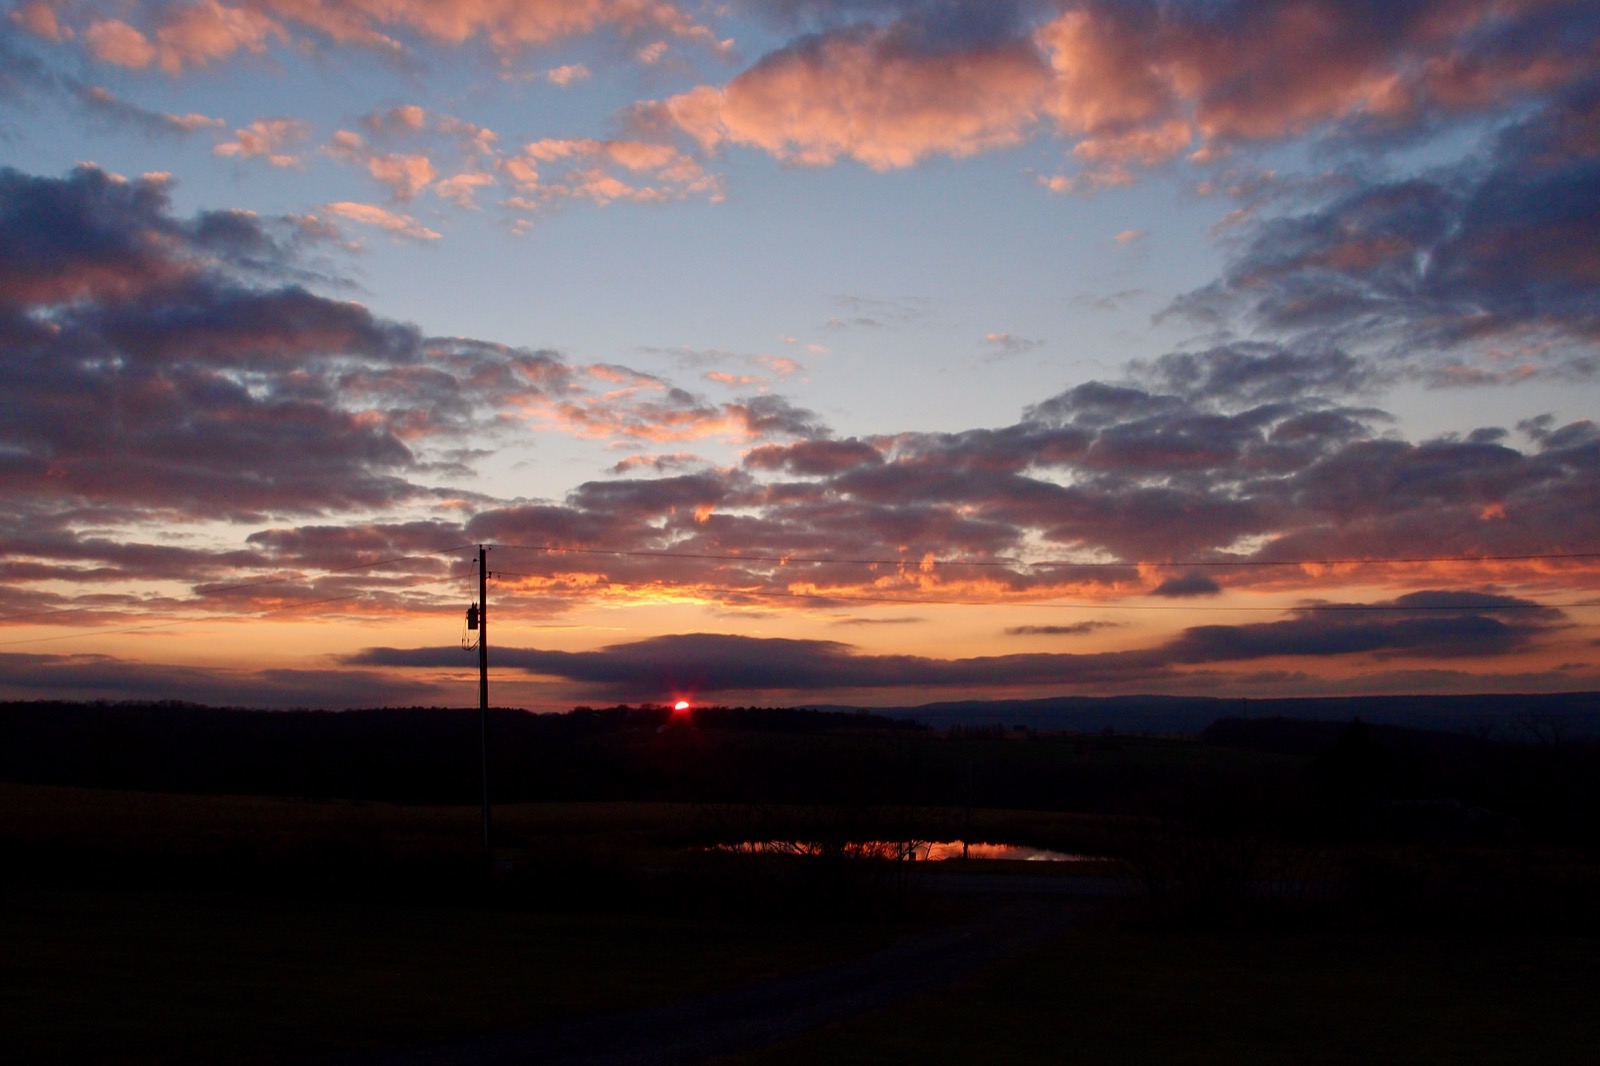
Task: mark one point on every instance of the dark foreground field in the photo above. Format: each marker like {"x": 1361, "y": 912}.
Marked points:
{"x": 165, "y": 949}
{"x": 1269, "y": 893}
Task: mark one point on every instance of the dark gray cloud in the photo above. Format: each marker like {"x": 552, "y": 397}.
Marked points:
{"x": 27, "y": 80}
{"x": 1421, "y": 271}
{"x": 107, "y": 677}
{"x": 1438, "y": 624}
{"x": 1435, "y": 624}
{"x": 1114, "y": 470}
{"x": 172, "y": 364}
{"x": 1187, "y": 586}
{"x": 926, "y": 24}
{"x": 1258, "y": 372}
{"x": 1077, "y": 629}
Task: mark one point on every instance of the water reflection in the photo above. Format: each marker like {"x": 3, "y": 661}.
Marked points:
{"x": 914, "y": 850}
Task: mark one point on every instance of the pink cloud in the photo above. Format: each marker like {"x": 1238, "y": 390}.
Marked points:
{"x": 734, "y": 381}
{"x": 403, "y": 174}
{"x": 1125, "y": 86}
{"x": 863, "y": 95}
{"x": 568, "y": 74}
{"x": 396, "y": 223}
{"x": 266, "y": 138}
{"x": 604, "y": 172}
{"x": 406, "y": 118}
{"x": 462, "y": 189}
{"x": 780, "y": 365}
{"x": 114, "y": 41}
{"x": 181, "y": 36}
{"x": 184, "y": 36}
{"x": 39, "y": 18}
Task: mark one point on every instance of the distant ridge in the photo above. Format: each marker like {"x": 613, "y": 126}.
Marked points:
{"x": 1532, "y": 717}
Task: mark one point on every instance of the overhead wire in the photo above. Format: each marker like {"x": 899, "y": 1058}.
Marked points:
{"x": 915, "y": 601}
{"x": 263, "y": 583}
{"x": 1195, "y": 564}
{"x": 851, "y": 598}
{"x": 86, "y": 632}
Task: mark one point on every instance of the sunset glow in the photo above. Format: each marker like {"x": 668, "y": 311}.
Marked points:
{"x": 868, "y": 352}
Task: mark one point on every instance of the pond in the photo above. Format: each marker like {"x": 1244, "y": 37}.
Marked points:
{"x": 917, "y": 850}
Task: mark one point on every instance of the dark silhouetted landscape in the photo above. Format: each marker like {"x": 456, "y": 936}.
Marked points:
{"x": 192, "y": 884}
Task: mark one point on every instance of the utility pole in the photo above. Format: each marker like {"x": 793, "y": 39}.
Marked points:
{"x": 483, "y": 695}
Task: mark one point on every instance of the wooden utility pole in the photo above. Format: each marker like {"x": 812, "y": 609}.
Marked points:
{"x": 483, "y": 694}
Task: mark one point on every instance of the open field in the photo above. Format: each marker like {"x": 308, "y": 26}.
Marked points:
{"x": 1319, "y": 896}
{"x": 1103, "y": 995}
{"x": 144, "y": 927}
{"x": 110, "y": 975}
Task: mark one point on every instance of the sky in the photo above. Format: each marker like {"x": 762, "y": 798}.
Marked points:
{"x": 790, "y": 352}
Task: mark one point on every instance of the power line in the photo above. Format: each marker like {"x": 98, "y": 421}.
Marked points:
{"x": 263, "y": 583}
{"x": 1194, "y": 564}
{"x": 916, "y": 601}
{"x": 336, "y": 570}
{"x": 848, "y": 598}
{"x": 86, "y": 631}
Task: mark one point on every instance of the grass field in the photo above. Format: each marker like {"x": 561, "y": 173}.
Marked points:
{"x": 147, "y": 928}
{"x": 150, "y": 928}
{"x": 1129, "y": 996}
{"x": 111, "y": 975}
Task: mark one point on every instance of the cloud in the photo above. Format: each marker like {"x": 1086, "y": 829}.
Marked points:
{"x": 1077, "y": 629}
{"x": 105, "y": 103}
{"x": 1441, "y": 624}
{"x": 397, "y": 223}
{"x": 163, "y": 364}
{"x": 1187, "y": 586}
{"x": 867, "y": 94}
{"x": 403, "y": 174}
{"x": 568, "y": 74}
{"x": 1259, "y": 371}
{"x": 183, "y": 36}
{"x": 24, "y": 76}
{"x": 267, "y": 139}
{"x": 602, "y": 172}
{"x": 1100, "y": 472}
{"x": 1483, "y": 273}
{"x": 1006, "y": 345}
{"x": 1126, "y": 86}
{"x": 241, "y": 395}
{"x": 105, "y": 677}
{"x": 462, "y": 189}
{"x": 179, "y": 37}
{"x": 1434, "y": 623}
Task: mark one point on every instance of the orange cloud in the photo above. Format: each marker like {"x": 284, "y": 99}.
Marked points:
{"x": 863, "y": 96}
